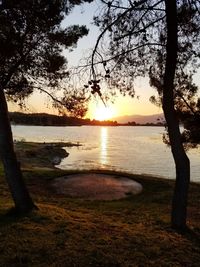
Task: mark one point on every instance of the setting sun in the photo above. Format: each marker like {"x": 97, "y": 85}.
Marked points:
{"x": 103, "y": 113}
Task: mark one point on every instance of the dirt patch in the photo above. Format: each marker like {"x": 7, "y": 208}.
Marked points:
{"x": 96, "y": 186}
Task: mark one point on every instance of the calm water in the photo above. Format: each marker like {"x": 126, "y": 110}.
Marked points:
{"x": 132, "y": 149}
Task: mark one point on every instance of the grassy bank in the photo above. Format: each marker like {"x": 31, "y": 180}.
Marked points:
{"x": 70, "y": 232}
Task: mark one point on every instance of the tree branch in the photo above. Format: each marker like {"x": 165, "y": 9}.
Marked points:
{"x": 133, "y": 7}
{"x": 141, "y": 30}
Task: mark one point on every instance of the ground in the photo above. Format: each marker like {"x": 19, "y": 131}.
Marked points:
{"x": 32, "y": 154}
{"x": 72, "y": 231}
{"x": 90, "y": 186}
{"x": 96, "y": 186}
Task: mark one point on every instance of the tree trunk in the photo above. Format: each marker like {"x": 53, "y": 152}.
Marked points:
{"x": 179, "y": 202}
{"x": 13, "y": 174}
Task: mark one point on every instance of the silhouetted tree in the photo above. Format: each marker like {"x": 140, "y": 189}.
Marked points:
{"x": 31, "y": 45}
{"x": 159, "y": 38}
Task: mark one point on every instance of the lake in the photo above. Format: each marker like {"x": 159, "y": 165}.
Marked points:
{"x": 137, "y": 150}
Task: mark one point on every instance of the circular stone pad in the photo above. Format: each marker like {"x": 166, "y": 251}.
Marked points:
{"x": 96, "y": 186}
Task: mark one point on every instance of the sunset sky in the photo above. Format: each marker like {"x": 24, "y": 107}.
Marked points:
{"x": 123, "y": 105}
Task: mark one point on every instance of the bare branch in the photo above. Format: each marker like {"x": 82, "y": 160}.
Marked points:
{"x": 140, "y": 30}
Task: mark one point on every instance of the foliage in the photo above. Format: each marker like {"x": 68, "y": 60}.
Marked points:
{"x": 132, "y": 43}
{"x": 44, "y": 119}
{"x": 32, "y": 41}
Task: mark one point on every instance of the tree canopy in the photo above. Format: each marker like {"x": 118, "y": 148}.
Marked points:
{"x": 132, "y": 43}
{"x": 31, "y": 49}
{"x": 158, "y": 39}
{"x": 32, "y": 41}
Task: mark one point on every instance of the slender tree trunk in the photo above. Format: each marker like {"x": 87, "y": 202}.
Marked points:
{"x": 20, "y": 194}
{"x": 179, "y": 202}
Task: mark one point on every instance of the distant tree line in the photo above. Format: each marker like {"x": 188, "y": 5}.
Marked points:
{"x": 133, "y": 123}
{"x": 44, "y": 119}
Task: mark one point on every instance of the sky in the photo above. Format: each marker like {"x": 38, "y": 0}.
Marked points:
{"x": 123, "y": 105}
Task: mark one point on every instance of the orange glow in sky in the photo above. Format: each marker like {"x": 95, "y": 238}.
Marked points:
{"x": 96, "y": 110}
{"x": 122, "y": 106}
{"x": 102, "y": 113}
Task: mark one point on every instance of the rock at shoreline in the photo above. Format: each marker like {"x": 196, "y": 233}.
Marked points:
{"x": 57, "y": 160}
{"x": 48, "y": 155}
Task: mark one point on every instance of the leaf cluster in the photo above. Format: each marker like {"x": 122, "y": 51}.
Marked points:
{"x": 32, "y": 41}
{"x": 137, "y": 35}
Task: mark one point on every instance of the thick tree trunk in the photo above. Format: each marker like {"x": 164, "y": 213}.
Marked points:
{"x": 179, "y": 202}
{"x": 20, "y": 194}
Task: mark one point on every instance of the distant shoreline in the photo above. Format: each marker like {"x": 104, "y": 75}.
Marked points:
{"x": 43, "y": 119}
{"x": 101, "y": 125}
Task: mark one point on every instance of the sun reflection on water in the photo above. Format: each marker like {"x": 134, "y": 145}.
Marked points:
{"x": 103, "y": 148}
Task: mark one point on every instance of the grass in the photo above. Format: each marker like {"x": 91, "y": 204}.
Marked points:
{"x": 75, "y": 232}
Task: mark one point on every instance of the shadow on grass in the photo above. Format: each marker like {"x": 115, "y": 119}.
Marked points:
{"x": 7, "y": 217}
{"x": 193, "y": 235}
{"x": 10, "y": 219}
